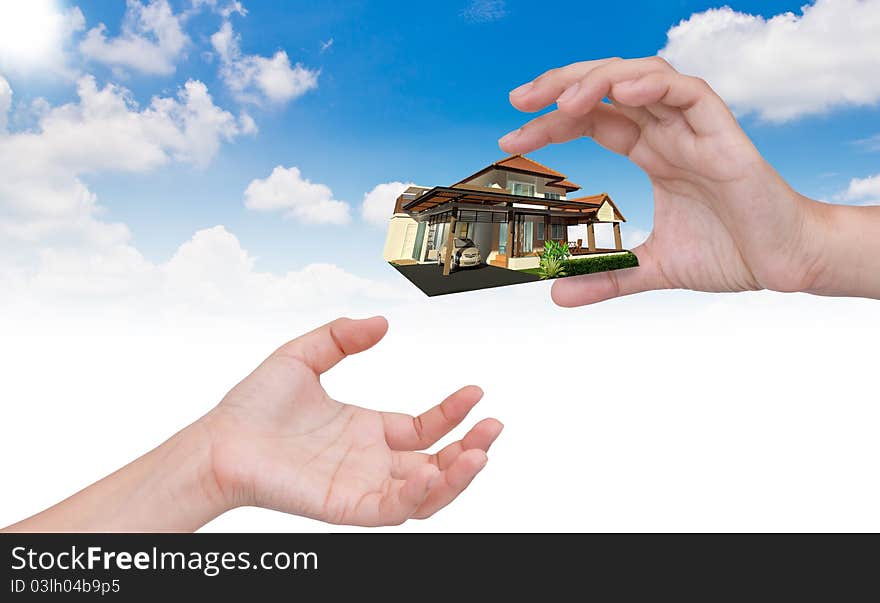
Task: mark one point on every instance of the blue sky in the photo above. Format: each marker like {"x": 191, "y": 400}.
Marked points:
{"x": 407, "y": 92}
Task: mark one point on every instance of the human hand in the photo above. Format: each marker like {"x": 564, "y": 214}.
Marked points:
{"x": 724, "y": 220}
{"x": 280, "y": 441}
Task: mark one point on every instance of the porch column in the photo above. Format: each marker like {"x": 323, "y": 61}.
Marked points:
{"x": 591, "y": 237}
{"x": 510, "y": 232}
{"x": 450, "y": 237}
{"x": 517, "y": 233}
{"x": 618, "y": 244}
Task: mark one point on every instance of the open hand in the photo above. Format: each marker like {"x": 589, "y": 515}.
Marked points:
{"x": 724, "y": 220}
{"x": 280, "y": 441}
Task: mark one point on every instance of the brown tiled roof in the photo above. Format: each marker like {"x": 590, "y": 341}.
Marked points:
{"x": 597, "y": 201}
{"x": 520, "y": 163}
{"x": 592, "y": 199}
{"x": 571, "y": 186}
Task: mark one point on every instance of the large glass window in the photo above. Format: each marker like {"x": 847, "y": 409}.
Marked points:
{"x": 528, "y": 234}
{"x": 420, "y": 237}
{"x": 502, "y": 239}
{"x": 557, "y": 232}
{"x": 525, "y": 189}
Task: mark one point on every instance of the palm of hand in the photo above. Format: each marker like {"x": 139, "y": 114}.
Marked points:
{"x": 692, "y": 245}
{"x": 283, "y": 443}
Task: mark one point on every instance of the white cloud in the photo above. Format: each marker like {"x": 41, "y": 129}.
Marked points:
{"x": 871, "y": 143}
{"x": 151, "y": 41}
{"x": 224, "y": 9}
{"x": 213, "y": 268}
{"x": 286, "y": 190}
{"x": 34, "y": 36}
{"x": 5, "y": 103}
{"x": 248, "y": 125}
{"x": 633, "y": 236}
{"x": 210, "y": 274}
{"x": 325, "y": 46}
{"x": 789, "y": 65}
{"x": 484, "y": 11}
{"x": 256, "y": 79}
{"x": 862, "y": 191}
{"x": 42, "y": 196}
{"x": 378, "y": 204}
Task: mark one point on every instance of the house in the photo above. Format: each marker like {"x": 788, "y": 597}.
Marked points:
{"x": 508, "y": 209}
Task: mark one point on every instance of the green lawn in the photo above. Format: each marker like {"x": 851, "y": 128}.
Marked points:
{"x": 531, "y": 271}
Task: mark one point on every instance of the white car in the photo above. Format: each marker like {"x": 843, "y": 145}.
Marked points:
{"x": 465, "y": 254}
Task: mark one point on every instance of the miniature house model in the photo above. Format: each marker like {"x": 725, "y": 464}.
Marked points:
{"x": 508, "y": 209}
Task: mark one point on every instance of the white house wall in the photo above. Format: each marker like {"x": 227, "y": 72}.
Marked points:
{"x": 394, "y": 240}
{"x": 606, "y": 212}
{"x": 531, "y": 261}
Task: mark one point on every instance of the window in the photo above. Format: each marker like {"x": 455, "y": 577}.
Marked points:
{"x": 540, "y": 232}
{"x": 557, "y": 232}
{"x": 468, "y": 215}
{"x": 522, "y": 188}
{"x": 528, "y": 230}
{"x": 555, "y": 196}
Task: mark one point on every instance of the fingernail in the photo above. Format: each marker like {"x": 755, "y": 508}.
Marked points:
{"x": 521, "y": 90}
{"x": 509, "y": 136}
{"x": 569, "y": 93}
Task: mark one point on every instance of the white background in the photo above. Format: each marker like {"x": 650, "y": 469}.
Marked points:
{"x": 666, "y": 411}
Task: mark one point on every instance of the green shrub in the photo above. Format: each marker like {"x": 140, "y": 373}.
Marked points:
{"x": 554, "y": 250}
{"x": 601, "y": 263}
{"x": 551, "y": 268}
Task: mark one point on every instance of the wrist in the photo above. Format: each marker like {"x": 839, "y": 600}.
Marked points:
{"x": 226, "y": 475}
{"x": 787, "y": 248}
{"x": 192, "y": 479}
{"x": 847, "y": 250}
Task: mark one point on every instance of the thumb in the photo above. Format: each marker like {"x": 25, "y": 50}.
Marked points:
{"x": 575, "y": 291}
{"x": 326, "y": 346}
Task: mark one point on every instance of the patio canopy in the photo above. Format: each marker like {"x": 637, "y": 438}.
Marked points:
{"x": 442, "y": 199}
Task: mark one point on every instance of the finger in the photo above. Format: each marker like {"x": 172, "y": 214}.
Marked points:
{"x": 582, "y": 96}
{"x": 703, "y": 109}
{"x": 546, "y": 88}
{"x": 326, "y": 346}
{"x": 480, "y": 437}
{"x": 400, "y": 501}
{"x": 644, "y": 83}
{"x": 405, "y": 432}
{"x": 453, "y": 482}
{"x": 591, "y": 288}
{"x": 411, "y": 496}
{"x": 606, "y": 125}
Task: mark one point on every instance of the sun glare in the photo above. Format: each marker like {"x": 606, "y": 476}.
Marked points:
{"x": 29, "y": 30}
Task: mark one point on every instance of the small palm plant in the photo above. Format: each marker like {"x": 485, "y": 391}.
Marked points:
{"x": 551, "y": 268}
{"x": 555, "y": 250}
